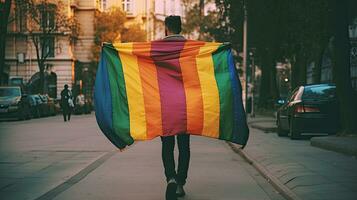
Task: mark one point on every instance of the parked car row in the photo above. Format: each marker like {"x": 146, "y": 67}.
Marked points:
{"x": 310, "y": 110}
{"x": 16, "y": 105}
{"x": 41, "y": 105}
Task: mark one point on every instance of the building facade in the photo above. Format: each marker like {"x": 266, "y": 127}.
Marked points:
{"x": 70, "y": 62}
{"x": 64, "y": 57}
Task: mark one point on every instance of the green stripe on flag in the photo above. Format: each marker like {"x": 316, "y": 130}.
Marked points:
{"x": 121, "y": 123}
{"x": 224, "y": 84}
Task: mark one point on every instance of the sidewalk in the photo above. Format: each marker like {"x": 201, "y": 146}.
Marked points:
{"x": 297, "y": 169}
{"x": 216, "y": 173}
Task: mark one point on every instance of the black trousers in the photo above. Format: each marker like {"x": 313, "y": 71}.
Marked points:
{"x": 168, "y": 145}
{"x": 66, "y": 113}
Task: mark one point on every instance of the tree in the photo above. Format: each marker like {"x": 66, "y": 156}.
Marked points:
{"x": 341, "y": 68}
{"x": 198, "y": 25}
{"x": 110, "y": 27}
{"x": 47, "y": 20}
{"x": 5, "y": 7}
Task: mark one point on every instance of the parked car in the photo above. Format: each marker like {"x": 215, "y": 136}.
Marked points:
{"x": 48, "y": 105}
{"x": 309, "y": 110}
{"x": 35, "y": 104}
{"x": 13, "y": 104}
{"x": 42, "y": 105}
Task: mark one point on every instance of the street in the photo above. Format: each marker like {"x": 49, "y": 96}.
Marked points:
{"x": 49, "y": 159}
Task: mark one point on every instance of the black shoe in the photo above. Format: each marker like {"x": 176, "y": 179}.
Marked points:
{"x": 171, "y": 190}
{"x": 180, "y": 192}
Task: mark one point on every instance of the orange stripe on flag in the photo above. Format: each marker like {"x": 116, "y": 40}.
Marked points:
{"x": 191, "y": 82}
{"x": 150, "y": 87}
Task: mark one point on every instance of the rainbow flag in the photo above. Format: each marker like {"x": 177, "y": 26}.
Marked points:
{"x": 163, "y": 88}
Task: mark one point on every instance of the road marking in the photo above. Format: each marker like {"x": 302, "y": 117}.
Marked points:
{"x": 76, "y": 178}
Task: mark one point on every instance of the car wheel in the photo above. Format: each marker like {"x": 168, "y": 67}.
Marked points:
{"x": 293, "y": 132}
{"x": 53, "y": 111}
{"x": 280, "y": 131}
{"x": 21, "y": 115}
{"x": 28, "y": 113}
{"x": 37, "y": 113}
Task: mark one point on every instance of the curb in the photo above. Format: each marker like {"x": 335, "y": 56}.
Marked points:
{"x": 281, "y": 188}
{"x": 265, "y": 129}
{"x": 331, "y": 146}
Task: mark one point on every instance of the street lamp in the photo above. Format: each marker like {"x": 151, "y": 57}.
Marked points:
{"x": 252, "y": 78}
{"x": 245, "y": 67}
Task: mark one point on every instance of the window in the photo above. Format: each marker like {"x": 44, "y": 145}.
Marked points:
{"x": 47, "y": 12}
{"x": 128, "y": 6}
{"x": 319, "y": 92}
{"x": 48, "y": 46}
{"x": 21, "y": 18}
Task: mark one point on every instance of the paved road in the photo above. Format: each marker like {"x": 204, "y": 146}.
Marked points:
{"x": 49, "y": 159}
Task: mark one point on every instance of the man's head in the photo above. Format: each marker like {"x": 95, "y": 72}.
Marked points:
{"x": 65, "y": 86}
{"x": 172, "y": 25}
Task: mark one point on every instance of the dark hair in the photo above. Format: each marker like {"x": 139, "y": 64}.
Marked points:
{"x": 173, "y": 24}
{"x": 66, "y": 86}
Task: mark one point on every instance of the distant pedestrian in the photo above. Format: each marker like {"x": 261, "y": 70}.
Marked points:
{"x": 66, "y": 103}
{"x": 175, "y": 181}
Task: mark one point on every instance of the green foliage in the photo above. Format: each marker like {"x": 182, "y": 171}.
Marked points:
{"x": 111, "y": 27}
{"x": 134, "y": 33}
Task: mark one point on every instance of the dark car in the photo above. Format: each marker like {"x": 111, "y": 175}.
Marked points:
{"x": 13, "y": 104}
{"x": 309, "y": 110}
{"x": 35, "y": 105}
{"x": 48, "y": 105}
{"x": 41, "y": 105}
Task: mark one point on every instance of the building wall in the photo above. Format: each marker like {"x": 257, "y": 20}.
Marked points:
{"x": 65, "y": 53}
{"x": 83, "y": 46}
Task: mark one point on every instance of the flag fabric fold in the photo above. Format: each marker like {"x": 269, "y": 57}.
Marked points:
{"x": 166, "y": 87}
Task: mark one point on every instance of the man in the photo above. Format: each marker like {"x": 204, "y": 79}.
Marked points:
{"x": 66, "y": 103}
{"x": 175, "y": 181}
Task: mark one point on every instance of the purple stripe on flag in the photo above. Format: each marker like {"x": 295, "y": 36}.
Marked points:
{"x": 165, "y": 55}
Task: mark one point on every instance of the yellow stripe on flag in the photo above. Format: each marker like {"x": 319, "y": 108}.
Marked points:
{"x": 210, "y": 94}
{"x": 134, "y": 91}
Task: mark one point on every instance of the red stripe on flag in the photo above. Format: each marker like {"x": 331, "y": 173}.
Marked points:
{"x": 166, "y": 56}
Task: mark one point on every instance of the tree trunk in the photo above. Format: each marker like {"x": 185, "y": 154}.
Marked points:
{"x": 298, "y": 70}
{"x": 265, "y": 93}
{"x": 318, "y": 66}
{"x": 202, "y": 10}
{"x": 4, "y": 17}
{"x": 274, "y": 91}
{"x": 341, "y": 70}
{"x": 303, "y": 68}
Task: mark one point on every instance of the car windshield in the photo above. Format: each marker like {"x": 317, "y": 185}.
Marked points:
{"x": 10, "y": 92}
{"x": 319, "y": 92}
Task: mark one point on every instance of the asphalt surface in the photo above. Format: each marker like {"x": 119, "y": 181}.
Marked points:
{"x": 49, "y": 159}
